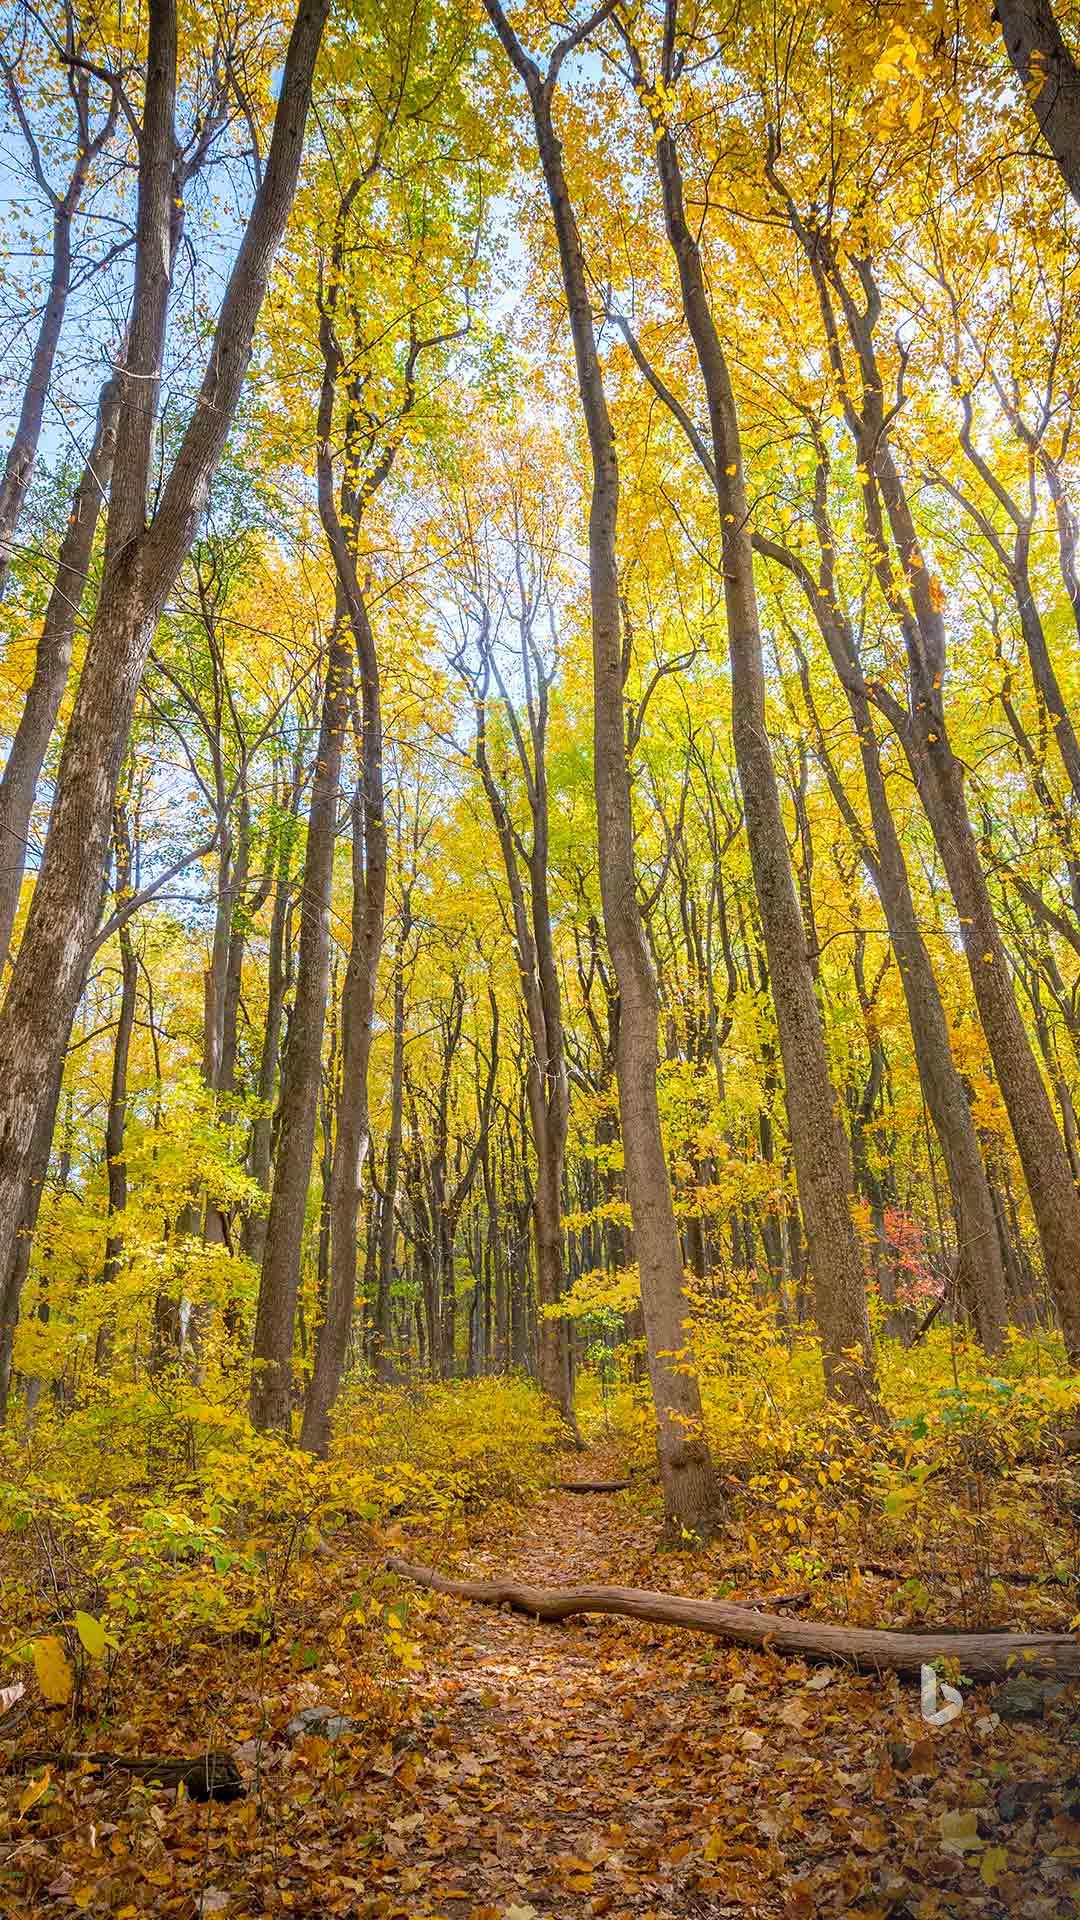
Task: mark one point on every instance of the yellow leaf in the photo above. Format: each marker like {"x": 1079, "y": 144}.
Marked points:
{"x": 91, "y": 1633}
{"x": 993, "y": 1864}
{"x": 959, "y": 1830}
{"x": 53, "y": 1670}
{"x": 34, "y": 1792}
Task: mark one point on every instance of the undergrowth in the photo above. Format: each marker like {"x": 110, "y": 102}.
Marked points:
{"x": 154, "y": 1522}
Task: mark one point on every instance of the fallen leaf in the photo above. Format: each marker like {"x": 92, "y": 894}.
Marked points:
{"x": 10, "y": 1696}
{"x": 992, "y": 1865}
{"x": 35, "y": 1791}
{"x": 959, "y": 1830}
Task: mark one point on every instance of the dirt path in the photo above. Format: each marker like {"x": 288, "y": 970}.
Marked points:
{"x": 603, "y": 1767}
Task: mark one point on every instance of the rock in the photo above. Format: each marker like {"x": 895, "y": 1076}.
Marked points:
{"x": 1023, "y": 1697}
{"x": 326, "y": 1722}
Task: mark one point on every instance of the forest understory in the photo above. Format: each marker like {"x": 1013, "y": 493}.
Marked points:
{"x": 492, "y": 1767}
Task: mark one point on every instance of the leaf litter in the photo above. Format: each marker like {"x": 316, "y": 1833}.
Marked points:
{"x": 537, "y": 1772}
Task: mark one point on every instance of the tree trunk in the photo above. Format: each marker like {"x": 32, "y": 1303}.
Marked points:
{"x": 279, "y": 1282}
{"x": 277, "y": 980}
{"x": 981, "y": 1275}
{"x": 22, "y": 454}
{"x": 18, "y": 787}
{"x": 388, "y": 1212}
{"x": 690, "y": 1489}
{"x": 915, "y": 603}
{"x": 1055, "y": 1200}
{"x": 982, "y": 1656}
{"x": 819, "y": 1143}
{"x": 369, "y": 863}
{"x": 141, "y": 563}
{"x": 116, "y": 1122}
{"x": 1049, "y": 76}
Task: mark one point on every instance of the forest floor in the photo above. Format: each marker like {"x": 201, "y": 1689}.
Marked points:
{"x": 600, "y": 1767}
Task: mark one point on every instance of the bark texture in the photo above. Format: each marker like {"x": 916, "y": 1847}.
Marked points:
{"x": 52, "y": 663}
{"x": 984, "y": 1656}
{"x": 1050, "y": 78}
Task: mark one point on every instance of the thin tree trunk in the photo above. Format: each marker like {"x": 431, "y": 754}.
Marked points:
{"x": 52, "y": 663}
{"x": 921, "y": 726}
{"x": 388, "y": 1213}
{"x": 116, "y": 1122}
{"x": 277, "y": 980}
{"x": 690, "y": 1489}
{"x": 369, "y": 864}
{"x": 981, "y": 1275}
{"x": 141, "y": 563}
{"x": 22, "y": 454}
{"x": 279, "y": 1282}
{"x": 819, "y": 1143}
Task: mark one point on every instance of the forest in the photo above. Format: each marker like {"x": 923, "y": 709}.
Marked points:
{"x": 540, "y": 959}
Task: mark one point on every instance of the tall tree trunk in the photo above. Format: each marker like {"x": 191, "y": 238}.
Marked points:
{"x": 52, "y": 663}
{"x": 915, "y": 602}
{"x": 1055, "y": 1200}
{"x": 352, "y": 1137}
{"x": 546, "y": 1078}
{"x": 277, "y": 981}
{"x": 22, "y": 454}
{"x": 142, "y": 561}
{"x": 369, "y": 863}
{"x": 116, "y": 1122}
{"x": 388, "y": 1209}
{"x": 279, "y": 1282}
{"x": 981, "y": 1275}
{"x": 819, "y": 1143}
{"x": 690, "y": 1490}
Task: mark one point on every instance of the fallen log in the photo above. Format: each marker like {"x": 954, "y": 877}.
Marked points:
{"x": 592, "y": 1486}
{"x": 208, "y": 1776}
{"x": 982, "y": 1656}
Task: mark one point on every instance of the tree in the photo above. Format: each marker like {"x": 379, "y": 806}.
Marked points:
{"x": 818, "y": 1140}
{"x": 686, "y": 1470}
{"x": 1049, "y": 76}
{"x": 142, "y": 560}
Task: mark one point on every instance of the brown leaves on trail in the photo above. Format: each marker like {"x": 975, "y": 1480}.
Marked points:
{"x": 556, "y": 1773}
